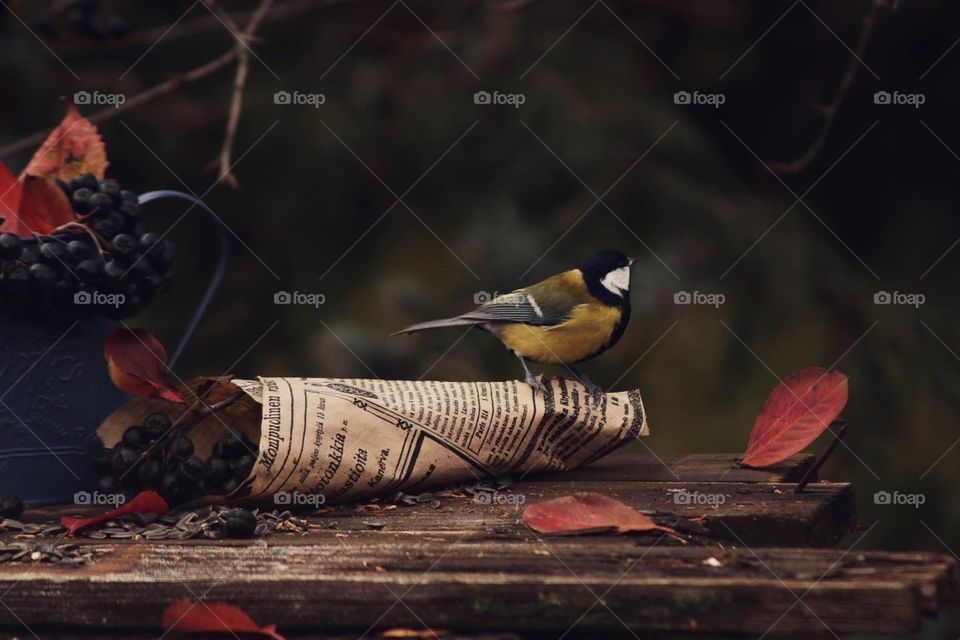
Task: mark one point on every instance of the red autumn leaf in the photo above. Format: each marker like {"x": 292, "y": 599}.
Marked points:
{"x": 42, "y": 208}
{"x": 795, "y": 414}
{"x": 74, "y": 147}
{"x": 143, "y": 502}
{"x": 183, "y": 616}
{"x": 583, "y": 512}
{"x": 137, "y": 363}
{"x": 10, "y": 190}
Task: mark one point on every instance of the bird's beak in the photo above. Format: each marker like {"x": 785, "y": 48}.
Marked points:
{"x": 631, "y": 261}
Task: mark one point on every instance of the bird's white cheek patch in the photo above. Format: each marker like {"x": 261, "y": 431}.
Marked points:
{"x": 533, "y": 303}
{"x": 617, "y": 281}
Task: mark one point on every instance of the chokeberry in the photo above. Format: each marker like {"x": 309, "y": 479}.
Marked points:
{"x": 239, "y": 523}
{"x": 10, "y": 246}
{"x": 135, "y": 437}
{"x": 99, "y": 202}
{"x": 79, "y": 250}
{"x": 156, "y": 424}
{"x": 123, "y": 458}
{"x": 242, "y": 466}
{"x": 123, "y": 244}
{"x": 216, "y": 470}
{"x": 182, "y": 447}
{"x": 80, "y": 200}
{"x": 43, "y": 274}
{"x": 86, "y": 180}
{"x": 149, "y": 473}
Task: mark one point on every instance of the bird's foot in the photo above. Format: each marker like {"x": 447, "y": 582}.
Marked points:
{"x": 594, "y": 392}
{"x": 536, "y": 381}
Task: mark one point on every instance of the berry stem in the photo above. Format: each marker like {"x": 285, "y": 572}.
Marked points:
{"x": 837, "y": 437}
{"x": 82, "y": 228}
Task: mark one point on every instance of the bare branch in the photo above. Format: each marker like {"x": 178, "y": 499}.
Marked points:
{"x": 239, "y": 83}
{"x": 145, "y": 96}
{"x": 829, "y": 112}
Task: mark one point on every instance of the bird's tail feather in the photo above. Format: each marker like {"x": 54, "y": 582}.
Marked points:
{"x": 436, "y": 324}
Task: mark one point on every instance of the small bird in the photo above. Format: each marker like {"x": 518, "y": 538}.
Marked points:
{"x": 567, "y": 318}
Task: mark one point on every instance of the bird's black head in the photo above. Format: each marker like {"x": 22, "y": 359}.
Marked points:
{"x": 607, "y": 274}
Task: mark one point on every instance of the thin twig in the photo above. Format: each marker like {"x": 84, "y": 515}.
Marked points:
{"x": 192, "y": 27}
{"x": 815, "y": 467}
{"x": 829, "y": 112}
{"x": 197, "y": 73}
{"x": 239, "y": 82}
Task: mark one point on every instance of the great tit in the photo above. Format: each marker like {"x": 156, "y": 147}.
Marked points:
{"x": 567, "y": 318}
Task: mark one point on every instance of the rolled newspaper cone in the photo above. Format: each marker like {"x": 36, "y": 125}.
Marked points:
{"x": 326, "y": 440}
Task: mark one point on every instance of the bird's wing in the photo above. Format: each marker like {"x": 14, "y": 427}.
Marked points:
{"x": 546, "y": 303}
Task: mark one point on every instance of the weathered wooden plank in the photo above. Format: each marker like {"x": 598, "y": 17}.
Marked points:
{"x": 634, "y": 464}
{"x": 550, "y": 586}
{"x": 756, "y": 514}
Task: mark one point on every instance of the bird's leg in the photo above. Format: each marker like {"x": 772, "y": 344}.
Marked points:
{"x": 595, "y": 391}
{"x": 534, "y": 381}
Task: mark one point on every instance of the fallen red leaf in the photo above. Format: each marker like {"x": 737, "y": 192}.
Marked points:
{"x": 795, "y": 414}
{"x": 137, "y": 363}
{"x": 74, "y": 147}
{"x": 582, "y": 512}
{"x": 143, "y": 502}
{"x": 183, "y": 616}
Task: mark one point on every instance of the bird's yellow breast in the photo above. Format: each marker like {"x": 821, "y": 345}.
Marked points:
{"x": 583, "y": 335}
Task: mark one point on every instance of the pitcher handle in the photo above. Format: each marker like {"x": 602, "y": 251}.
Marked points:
{"x": 219, "y": 270}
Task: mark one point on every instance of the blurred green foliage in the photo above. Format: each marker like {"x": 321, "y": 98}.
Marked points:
{"x": 491, "y": 193}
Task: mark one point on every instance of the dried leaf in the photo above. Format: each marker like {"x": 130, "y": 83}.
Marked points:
{"x": 242, "y": 416}
{"x": 74, "y": 147}
{"x": 137, "y": 363}
{"x": 143, "y": 502}
{"x": 183, "y": 616}
{"x": 795, "y": 414}
{"x": 587, "y": 512}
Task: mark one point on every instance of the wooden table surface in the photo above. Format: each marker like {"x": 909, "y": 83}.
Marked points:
{"x": 759, "y": 562}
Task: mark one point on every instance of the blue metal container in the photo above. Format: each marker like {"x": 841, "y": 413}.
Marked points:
{"x": 55, "y": 392}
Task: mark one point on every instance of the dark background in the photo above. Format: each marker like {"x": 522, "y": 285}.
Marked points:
{"x": 498, "y": 209}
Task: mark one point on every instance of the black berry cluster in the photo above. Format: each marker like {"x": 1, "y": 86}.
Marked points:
{"x": 82, "y": 18}
{"x": 115, "y": 268}
{"x": 153, "y": 457}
